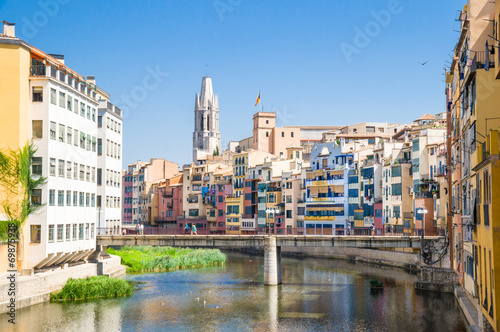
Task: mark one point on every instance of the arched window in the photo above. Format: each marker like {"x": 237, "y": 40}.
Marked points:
{"x": 201, "y": 122}
{"x": 208, "y": 123}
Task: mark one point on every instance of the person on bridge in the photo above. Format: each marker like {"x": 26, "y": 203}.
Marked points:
{"x": 186, "y": 229}
{"x": 195, "y": 232}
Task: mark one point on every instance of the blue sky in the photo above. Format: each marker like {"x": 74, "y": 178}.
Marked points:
{"x": 290, "y": 50}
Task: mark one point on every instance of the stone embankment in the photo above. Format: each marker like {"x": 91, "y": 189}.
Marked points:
{"x": 36, "y": 288}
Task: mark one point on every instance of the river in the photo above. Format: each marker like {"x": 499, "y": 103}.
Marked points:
{"x": 316, "y": 295}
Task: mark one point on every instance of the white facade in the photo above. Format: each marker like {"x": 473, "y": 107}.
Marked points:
{"x": 64, "y": 229}
{"x": 109, "y": 167}
{"x": 206, "y": 135}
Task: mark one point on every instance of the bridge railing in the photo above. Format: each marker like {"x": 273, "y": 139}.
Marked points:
{"x": 366, "y": 231}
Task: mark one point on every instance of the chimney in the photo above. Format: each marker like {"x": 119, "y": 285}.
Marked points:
{"x": 9, "y": 29}
{"x": 58, "y": 57}
{"x": 91, "y": 79}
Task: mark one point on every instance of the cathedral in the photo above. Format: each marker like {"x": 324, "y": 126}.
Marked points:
{"x": 206, "y": 135}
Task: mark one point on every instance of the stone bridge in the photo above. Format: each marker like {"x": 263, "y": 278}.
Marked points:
{"x": 272, "y": 245}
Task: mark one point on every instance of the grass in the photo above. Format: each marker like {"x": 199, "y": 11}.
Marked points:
{"x": 91, "y": 288}
{"x": 161, "y": 259}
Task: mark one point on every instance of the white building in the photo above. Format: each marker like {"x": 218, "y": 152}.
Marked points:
{"x": 54, "y": 107}
{"x": 109, "y": 167}
{"x": 206, "y": 135}
{"x": 63, "y": 112}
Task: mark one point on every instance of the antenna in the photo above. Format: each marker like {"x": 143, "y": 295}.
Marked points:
{"x": 206, "y": 70}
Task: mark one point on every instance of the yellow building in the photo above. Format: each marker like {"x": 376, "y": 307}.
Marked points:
{"x": 234, "y": 206}
{"x": 487, "y": 225}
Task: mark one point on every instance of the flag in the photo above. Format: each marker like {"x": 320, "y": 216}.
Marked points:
{"x": 258, "y": 99}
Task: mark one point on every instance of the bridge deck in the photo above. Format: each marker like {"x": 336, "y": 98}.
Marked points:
{"x": 258, "y": 241}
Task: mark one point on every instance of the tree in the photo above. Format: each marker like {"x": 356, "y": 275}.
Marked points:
{"x": 216, "y": 151}
{"x": 16, "y": 189}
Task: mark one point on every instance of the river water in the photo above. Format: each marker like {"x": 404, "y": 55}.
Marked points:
{"x": 316, "y": 295}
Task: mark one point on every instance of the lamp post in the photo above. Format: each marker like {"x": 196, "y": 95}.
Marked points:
{"x": 269, "y": 212}
{"x": 422, "y": 211}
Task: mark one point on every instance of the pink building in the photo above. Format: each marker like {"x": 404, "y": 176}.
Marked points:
{"x": 170, "y": 202}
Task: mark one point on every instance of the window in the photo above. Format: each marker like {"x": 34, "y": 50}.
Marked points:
{"x": 62, "y": 99}
{"x": 68, "y": 232}
{"x": 37, "y": 129}
{"x": 99, "y": 201}
{"x": 92, "y": 200}
{"x": 82, "y": 199}
{"x": 99, "y": 146}
{"x": 75, "y": 171}
{"x": 93, "y": 114}
{"x": 69, "y": 169}
{"x": 87, "y": 174}
{"x": 89, "y": 142}
{"x": 60, "y": 169}
{"x": 75, "y": 198}
{"x": 193, "y": 212}
{"x": 289, "y": 213}
{"x": 37, "y": 94}
{"x": 69, "y": 104}
{"x": 99, "y": 121}
{"x": 93, "y": 144}
{"x": 87, "y": 199}
{"x": 88, "y": 112}
{"x": 62, "y": 132}
{"x": 75, "y": 138}
{"x": 53, "y": 96}
{"x": 36, "y": 197}
{"x": 82, "y": 140}
{"x": 74, "y": 231}
{"x": 93, "y": 174}
{"x": 82, "y": 109}
{"x": 69, "y": 136}
{"x": 267, "y": 134}
{"x": 92, "y": 227}
{"x": 82, "y": 172}
{"x": 52, "y": 130}
{"x": 35, "y": 233}
{"x": 68, "y": 197}
{"x": 291, "y": 134}
{"x": 60, "y": 197}
{"x": 282, "y": 134}
{"x": 80, "y": 231}
{"x": 36, "y": 166}
{"x": 52, "y": 167}
{"x": 60, "y": 230}
{"x": 51, "y": 233}
{"x": 99, "y": 176}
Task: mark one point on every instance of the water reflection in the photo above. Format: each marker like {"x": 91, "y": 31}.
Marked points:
{"x": 315, "y": 295}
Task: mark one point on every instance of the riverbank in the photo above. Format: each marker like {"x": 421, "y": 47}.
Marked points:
{"x": 162, "y": 259}
{"x": 36, "y": 288}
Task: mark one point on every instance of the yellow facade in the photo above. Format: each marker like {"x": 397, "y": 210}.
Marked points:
{"x": 487, "y": 231}
{"x": 233, "y": 220}
{"x": 14, "y": 95}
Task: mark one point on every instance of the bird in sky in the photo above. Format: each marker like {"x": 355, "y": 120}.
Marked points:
{"x": 423, "y": 63}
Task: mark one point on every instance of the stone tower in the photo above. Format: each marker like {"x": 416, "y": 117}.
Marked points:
{"x": 206, "y": 135}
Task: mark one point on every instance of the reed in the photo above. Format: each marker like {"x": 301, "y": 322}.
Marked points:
{"x": 160, "y": 259}
{"x": 91, "y": 288}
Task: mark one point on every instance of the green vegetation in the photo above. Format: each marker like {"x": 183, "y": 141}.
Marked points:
{"x": 91, "y": 288}
{"x": 159, "y": 259}
{"x": 374, "y": 283}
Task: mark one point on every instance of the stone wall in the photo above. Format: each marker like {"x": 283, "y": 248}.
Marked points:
{"x": 383, "y": 257}
{"x": 36, "y": 288}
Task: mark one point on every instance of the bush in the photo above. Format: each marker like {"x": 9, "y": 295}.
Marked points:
{"x": 91, "y": 288}
{"x": 374, "y": 283}
{"x": 159, "y": 259}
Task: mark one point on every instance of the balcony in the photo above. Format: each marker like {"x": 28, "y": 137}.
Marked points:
{"x": 196, "y": 177}
{"x": 407, "y": 215}
{"x": 168, "y": 193}
{"x": 340, "y": 199}
{"x": 482, "y": 58}
{"x": 38, "y": 70}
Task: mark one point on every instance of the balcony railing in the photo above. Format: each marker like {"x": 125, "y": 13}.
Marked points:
{"x": 168, "y": 193}
{"x": 38, "y": 70}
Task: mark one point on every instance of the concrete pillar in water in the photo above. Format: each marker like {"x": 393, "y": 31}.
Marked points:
{"x": 272, "y": 262}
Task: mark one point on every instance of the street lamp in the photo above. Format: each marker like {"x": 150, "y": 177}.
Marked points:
{"x": 422, "y": 211}
{"x": 269, "y": 211}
